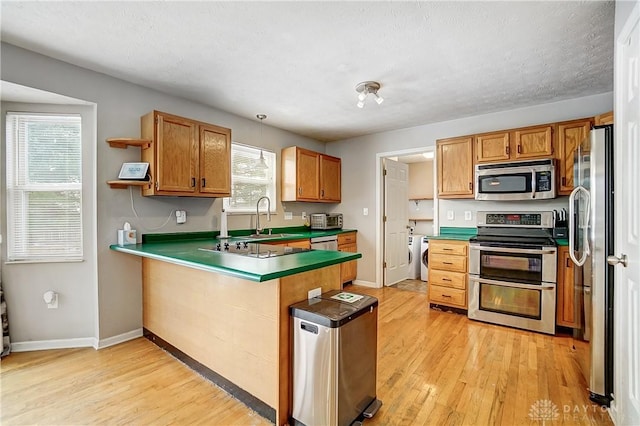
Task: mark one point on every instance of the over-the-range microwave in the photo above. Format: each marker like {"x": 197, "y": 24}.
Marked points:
{"x": 516, "y": 180}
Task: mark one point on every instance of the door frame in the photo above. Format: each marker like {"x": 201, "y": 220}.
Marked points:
{"x": 380, "y": 202}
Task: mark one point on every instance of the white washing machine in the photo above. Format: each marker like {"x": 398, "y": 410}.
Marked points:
{"x": 424, "y": 258}
{"x": 413, "y": 271}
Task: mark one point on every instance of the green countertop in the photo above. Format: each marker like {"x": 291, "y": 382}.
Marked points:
{"x": 182, "y": 249}
{"x": 450, "y": 233}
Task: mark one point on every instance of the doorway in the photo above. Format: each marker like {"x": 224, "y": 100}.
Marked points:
{"x": 421, "y": 206}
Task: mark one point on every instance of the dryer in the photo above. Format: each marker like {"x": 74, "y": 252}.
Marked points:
{"x": 424, "y": 258}
{"x": 413, "y": 270}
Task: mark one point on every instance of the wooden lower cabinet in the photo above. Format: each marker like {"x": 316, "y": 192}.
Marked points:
{"x": 448, "y": 273}
{"x": 567, "y": 312}
{"x": 347, "y": 242}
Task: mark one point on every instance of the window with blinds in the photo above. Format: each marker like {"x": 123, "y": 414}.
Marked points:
{"x": 251, "y": 179}
{"x": 44, "y": 187}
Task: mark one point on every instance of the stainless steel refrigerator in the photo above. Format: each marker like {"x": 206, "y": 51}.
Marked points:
{"x": 590, "y": 242}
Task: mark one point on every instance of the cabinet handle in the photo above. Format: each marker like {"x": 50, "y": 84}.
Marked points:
{"x": 447, "y": 296}
{"x": 446, "y": 249}
{"x": 322, "y": 193}
{"x": 519, "y": 149}
{"x": 447, "y": 263}
{"x": 564, "y": 181}
{"x": 300, "y": 191}
{"x": 204, "y": 182}
{"x": 470, "y": 185}
{"x": 193, "y": 182}
{"x": 566, "y": 262}
{"x": 506, "y": 150}
{"x": 446, "y": 279}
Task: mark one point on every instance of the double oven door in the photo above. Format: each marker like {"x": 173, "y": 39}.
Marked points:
{"x": 513, "y": 285}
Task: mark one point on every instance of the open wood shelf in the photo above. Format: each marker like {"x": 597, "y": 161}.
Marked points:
{"x": 122, "y": 184}
{"x": 126, "y": 142}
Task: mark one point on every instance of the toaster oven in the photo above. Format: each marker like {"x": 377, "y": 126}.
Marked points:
{"x": 326, "y": 221}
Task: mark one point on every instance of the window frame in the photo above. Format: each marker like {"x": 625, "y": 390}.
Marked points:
{"x": 271, "y": 159}
{"x": 20, "y": 187}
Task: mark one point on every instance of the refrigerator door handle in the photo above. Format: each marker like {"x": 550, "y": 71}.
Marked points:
{"x": 572, "y": 225}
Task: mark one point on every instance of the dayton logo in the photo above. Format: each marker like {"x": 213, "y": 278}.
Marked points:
{"x": 544, "y": 410}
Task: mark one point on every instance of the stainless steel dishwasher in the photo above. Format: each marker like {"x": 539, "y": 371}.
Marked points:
{"x": 334, "y": 359}
{"x": 328, "y": 242}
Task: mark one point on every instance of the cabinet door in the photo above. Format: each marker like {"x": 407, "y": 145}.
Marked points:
{"x": 177, "y": 154}
{"x": 533, "y": 142}
{"x": 566, "y": 309}
{"x": 330, "y": 175}
{"x": 602, "y": 119}
{"x": 215, "y": 160}
{"x": 570, "y": 135}
{"x": 492, "y": 147}
{"x": 348, "y": 270}
{"x": 307, "y": 175}
{"x": 455, "y": 167}
{"x": 305, "y": 244}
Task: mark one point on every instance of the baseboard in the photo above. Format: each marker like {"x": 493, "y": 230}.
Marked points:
{"x": 41, "y": 345}
{"x": 366, "y": 283}
{"x": 120, "y": 338}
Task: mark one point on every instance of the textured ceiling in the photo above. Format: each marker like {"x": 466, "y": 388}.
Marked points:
{"x": 299, "y": 62}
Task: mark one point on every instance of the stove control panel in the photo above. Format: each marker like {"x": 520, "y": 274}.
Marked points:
{"x": 516, "y": 219}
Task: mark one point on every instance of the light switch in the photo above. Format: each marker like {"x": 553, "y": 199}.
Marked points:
{"x": 450, "y": 215}
{"x": 365, "y": 211}
{"x": 467, "y": 215}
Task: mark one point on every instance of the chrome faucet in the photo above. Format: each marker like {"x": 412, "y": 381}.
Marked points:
{"x": 258, "y": 228}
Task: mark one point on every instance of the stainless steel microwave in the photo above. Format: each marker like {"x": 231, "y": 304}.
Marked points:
{"x": 326, "y": 221}
{"x": 516, "y": 180}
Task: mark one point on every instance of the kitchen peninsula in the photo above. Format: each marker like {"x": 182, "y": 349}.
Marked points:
{"x": 226, "y": 314}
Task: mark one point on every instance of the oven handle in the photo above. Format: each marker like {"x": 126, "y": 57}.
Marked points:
{"x": 476, "y": 246}
{"x": 514, "y": 285}
{"x": 533, "y": 184}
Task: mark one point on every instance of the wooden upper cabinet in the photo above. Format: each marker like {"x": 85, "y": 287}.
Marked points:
{"x": 532, "y": 142}
{"x": 602, "y": 119}
{"x": 569, "y": 136}
{"x": 187, "y": 157}
{"x": 455, "y": 167}
{"x": 215, "y": 160}
{"x": 492, "y": 147}
{"x": 330, "y": 178}
{"x": 310, "y": 176}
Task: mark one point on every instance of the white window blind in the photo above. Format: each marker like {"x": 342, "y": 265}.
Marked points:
{"x": 249, "y": 181}
{"x": 44, "y": 187}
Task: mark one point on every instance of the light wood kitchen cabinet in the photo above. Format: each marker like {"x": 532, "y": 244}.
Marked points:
{"x": 310, "y": 176}
{"x": 569, "y": 136}
{"x": 532, "y": 142}
{"x": 347, "y": 242}
{"x": 187, "y": 157}
{"x": 448, "y": 273}
{"x": 455, "y": 167}
{"x": 566, "y": 298}
{"x": 602, "y": 119}
{"x": 493, "y": 147}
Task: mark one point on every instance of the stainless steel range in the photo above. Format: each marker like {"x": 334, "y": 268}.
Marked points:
{"x": 512, "y": 270}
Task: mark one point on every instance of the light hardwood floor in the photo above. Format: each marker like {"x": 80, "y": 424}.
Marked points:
{"x": 433, "y": 368}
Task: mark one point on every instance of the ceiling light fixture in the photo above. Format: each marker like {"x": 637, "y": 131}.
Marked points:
{"x": 261, "y": 163}
{"x": 364, "y": 89}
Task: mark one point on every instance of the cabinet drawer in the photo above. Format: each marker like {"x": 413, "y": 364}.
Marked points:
{"x": 448, "y": 247}
{"x": 347, "y": 238}
{"x": 448, "y": 279}
{"x": 447, "y": 296}
{"x": 447, "y": 262}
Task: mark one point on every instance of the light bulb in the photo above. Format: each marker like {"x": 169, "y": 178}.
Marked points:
{"x": 379, "y": 99}
{"x": 362, "y": 96}
{"x": 360, "y": 104}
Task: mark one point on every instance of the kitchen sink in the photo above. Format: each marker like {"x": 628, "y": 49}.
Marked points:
{"x": 257, "y": 250}
{"x": 267, "y": 236}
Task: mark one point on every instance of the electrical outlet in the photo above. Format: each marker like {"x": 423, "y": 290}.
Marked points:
{"x": 303, "y": 215}
{"x": 288, "y": 216}
{"x": 181, "y": 216}
{"x": 467, "y": 215}
{"x": 450, "y": 215}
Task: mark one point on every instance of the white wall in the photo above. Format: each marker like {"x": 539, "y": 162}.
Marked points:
{"x": 359, "y": 165}
{"x": 119, "y": 107}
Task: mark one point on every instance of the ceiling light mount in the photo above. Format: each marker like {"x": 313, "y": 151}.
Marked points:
{"x": 261, "y": 163}
{"x": 365, "y": 88}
